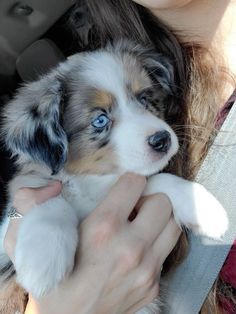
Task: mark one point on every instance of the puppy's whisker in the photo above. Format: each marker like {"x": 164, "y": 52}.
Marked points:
{"x": 171, "y": 85}
{"x": 187, "y": 126}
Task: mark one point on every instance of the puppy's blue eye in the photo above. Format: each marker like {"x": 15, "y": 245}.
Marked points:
{"x": 101, "y": 121}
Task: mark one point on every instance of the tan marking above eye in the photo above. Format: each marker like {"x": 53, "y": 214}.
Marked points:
{"x": 140, "y": 83}
{"x": 102, "y": 99}
{"x": 136, "y": 86}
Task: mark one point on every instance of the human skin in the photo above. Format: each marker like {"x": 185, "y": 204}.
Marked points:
{"x": 211, "y": 23}
{"x": 118, "y": 261}
{"x": 162, "y": 4}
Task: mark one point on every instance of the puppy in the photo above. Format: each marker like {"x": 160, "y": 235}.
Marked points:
{"x": 94, "y": 117}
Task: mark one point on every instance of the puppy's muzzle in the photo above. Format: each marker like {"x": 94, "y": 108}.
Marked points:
{"x": 160, "y": 141}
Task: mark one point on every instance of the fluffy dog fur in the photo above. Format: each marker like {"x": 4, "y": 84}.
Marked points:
{"x": 94, "y": 117}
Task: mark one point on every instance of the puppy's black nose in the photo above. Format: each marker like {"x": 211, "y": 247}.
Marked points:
{"x": 160, "y": 141}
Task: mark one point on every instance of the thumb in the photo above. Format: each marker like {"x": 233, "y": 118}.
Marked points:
{"x": 26, "y": 198}
{"x": 44, "y": 193}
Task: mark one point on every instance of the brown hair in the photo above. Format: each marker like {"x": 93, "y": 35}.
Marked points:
{"x": 198, "y": 79}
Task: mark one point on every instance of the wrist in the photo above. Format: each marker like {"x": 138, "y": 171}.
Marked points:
{"x": 77, "y": 294}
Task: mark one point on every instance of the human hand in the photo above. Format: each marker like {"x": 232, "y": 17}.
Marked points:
{"x": 24, "y": 200}
{"x": 118, "y": 261}
{"x": 128, "y": 255}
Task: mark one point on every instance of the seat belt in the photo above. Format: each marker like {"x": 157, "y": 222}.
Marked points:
{"x": 188, "y": 286}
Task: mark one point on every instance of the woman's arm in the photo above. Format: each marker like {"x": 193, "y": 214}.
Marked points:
{"x": 118, "y": 261}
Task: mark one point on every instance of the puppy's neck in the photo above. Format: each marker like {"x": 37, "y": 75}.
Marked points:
{"x": 85, "y": 192}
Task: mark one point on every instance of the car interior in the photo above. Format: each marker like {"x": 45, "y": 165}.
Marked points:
{"x": 34, "y": 37}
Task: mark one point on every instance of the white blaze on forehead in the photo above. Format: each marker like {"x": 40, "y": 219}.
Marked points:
{"x": 105, "y": 71}
{"x": 130, "y": 138}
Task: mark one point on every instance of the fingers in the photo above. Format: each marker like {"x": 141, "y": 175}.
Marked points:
{"x": 26, "y": 198}
{"x": 166, "y": 241}
{"x": 153, "y": 216}
{"x": 123, "y": 196}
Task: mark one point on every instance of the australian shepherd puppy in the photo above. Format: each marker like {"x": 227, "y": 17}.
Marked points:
{"x": 97, "y": 115}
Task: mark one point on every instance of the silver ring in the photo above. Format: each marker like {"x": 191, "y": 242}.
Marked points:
{"x": 12, "y": 213}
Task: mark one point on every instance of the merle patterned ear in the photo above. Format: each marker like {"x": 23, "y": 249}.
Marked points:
{"x": 161, "y": 71}
{"x": 159, "y": 67}
{"x": 32, "y": 125}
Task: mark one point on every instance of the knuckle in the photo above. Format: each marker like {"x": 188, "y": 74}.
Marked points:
{"x": 130, "y": 256}
{"x": 146, "y": 277}
{"x": 108, "y": 223}
{"x": 103, "y": 230}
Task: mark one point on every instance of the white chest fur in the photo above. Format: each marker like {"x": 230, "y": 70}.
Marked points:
{"x": 85, "y": 192}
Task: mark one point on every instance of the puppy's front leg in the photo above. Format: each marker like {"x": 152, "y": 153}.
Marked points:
{"x": 46, "y": 246}
{"x": 193, "y": 206}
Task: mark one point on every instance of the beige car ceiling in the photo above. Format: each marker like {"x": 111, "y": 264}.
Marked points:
{"x": 23, "y": 22}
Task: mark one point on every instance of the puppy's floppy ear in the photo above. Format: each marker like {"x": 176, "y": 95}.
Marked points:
{"x": 159, "y": 67}
{"x": 160, "y": 70}
{"x": 32, "y": 126}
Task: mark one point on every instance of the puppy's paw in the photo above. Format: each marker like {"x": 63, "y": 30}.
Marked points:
{"x": 46, "y": 246}
{"x": 211, "y": 217}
